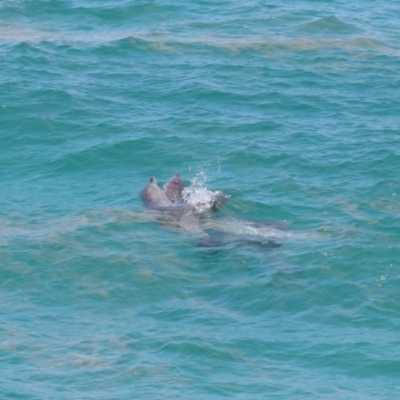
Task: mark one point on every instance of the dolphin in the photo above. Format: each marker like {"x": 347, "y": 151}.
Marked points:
{"x": 153, "y": 197}
{"x": 180, "y": 216}
{"x": 227, "y": 230}
{"x": 191, "y": 218}
{"x": 219, "y": 199}
{"x": 173, "y": 188}
{"x": 266, "y": 233}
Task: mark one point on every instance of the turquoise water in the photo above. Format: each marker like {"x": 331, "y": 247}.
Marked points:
{"x": 290, "y": 108}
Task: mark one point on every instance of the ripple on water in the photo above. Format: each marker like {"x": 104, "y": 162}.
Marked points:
{"x": 290, "y": 110}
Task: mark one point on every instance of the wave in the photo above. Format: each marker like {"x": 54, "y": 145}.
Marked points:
{"x": 329, "y": 24}
{"x": 154, "y": 41}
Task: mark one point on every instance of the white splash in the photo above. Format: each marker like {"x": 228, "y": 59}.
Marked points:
{"x": 199, "y": 196}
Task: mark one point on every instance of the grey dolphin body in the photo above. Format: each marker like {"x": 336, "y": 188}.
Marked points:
{"x": 266, "y": 233}
{"x": 153, "y": 197}
{"x": 174, "y": 189}
{"x": 219, "y": 199}
{"x": 182, "y": 217}
{"x": 227, "y": 230}
{"x": 187, "y": 218}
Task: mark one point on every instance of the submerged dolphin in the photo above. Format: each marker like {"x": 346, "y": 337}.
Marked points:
{"x": 222, "y": 231}
{"x": 191, "y": 217}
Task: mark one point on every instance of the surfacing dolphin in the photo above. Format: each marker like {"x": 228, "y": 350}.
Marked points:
{"x": 192, "y": 218}
{"x": 180, "y": 216}
{"x": 202, "y": 199}
{"x": 153, "y": 197}
{"x": 170, "y": 209}
{"x": 173, "y": 188}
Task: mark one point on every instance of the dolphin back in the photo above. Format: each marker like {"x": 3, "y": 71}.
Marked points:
{"x": 174, "y": 188}
{"x": 153, "y": 197}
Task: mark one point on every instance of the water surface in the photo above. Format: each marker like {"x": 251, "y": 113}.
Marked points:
{"x": 291, "y": 109}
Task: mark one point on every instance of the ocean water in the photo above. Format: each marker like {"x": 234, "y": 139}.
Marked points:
{"x": 290, "y": 108}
